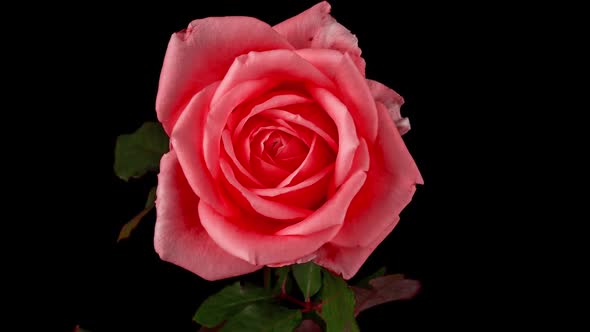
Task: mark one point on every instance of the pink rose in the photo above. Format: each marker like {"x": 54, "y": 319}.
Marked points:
{"x": 281, "y": 151}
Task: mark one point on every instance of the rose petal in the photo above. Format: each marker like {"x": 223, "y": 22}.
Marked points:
{"x": 269, "y": 174}
{"x": 248, "y": 76}
{"x": 280, "y": 65}
{"x": 316, "y": 28}
{"x": 293, "y": 147}
{"x": 277, "y": 101}
{"x": 319, "y": 155}
{"x": 300, "y": 132}
{"x": 255, "y": 126}
{"x": 187, "y": 140}
{"x": 352, "y": 87}
{"x": 202, "y": 54}
{"x": 348, "y": 260}
{"x": 179, "y": 237}
{"x": 309, "y": 194}
{"x": 263, "y": 206}
{"x": 326, "y": 60}
{"x": 302, "y": 260}
{"x": 291, "y": 154}
{"x": 390, "y": 185}
{"x": 355, "y": 94}
{"x": 392, "y": 101}
{"x": 261, "y": 249}
{"x": 243, "y": 172}
{"x": 218, "y": 114}
{"x": 299, "y": 120}
{"x": 261, "y": 138}
{"x": 330, "y": 213}
{"x": 347, "y": 137}
{"x": 315, "y": 114}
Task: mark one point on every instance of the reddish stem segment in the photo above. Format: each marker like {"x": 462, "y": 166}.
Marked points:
{"x": 307, "y": 306}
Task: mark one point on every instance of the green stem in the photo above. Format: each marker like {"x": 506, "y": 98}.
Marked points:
{"x": 267, "y": 277}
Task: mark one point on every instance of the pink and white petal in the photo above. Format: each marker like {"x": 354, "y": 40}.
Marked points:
{"x": 390, "y": 186}
{"x": 316, "y": 28}
{"x": 348, "y": 140}
{"x": 336, "y": 36}
{"x": 179, "y": 237}
{"x": 187, "y": 140}
{"x": 262, "y": 249}
{"x": 202, "y": 54}
{"x": 392, "y": 102}
{"x": 348, "y": 260}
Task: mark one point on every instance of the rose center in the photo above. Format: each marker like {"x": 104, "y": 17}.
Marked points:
{"x": 284, "y": 150}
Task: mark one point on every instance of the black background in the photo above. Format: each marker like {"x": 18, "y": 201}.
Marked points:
{"x": 111, "y": 57}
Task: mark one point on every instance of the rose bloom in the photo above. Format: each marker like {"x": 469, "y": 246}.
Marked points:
{"x": 281, "y": 151}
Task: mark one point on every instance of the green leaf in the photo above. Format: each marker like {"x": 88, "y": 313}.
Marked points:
{"x": 263, "y": 317}
{"x": 151, "y": 199}
{"x": 282, "y": 273}
{"x": 308, "y": 277}
{"x": 337, "y": 304}
{"x": 364, "y": 283}
{"x": 140, "y": 152}
{"x": 228, "y": 302}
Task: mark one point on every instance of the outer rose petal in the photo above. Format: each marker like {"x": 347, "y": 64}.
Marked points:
{"x": 357, "y": 97}
{"x": 316, "y": 28}
{"x": 391, "y": 183}
{"x": 187, "y": 141}
{"x": 348, "y": 260}
{"x": 202, "y": 54}
{"x": 179, "y": 236}
{"x": 392, "y": 101}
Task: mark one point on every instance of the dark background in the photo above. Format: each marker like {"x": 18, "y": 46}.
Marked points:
{"x": 111, "y": 57}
